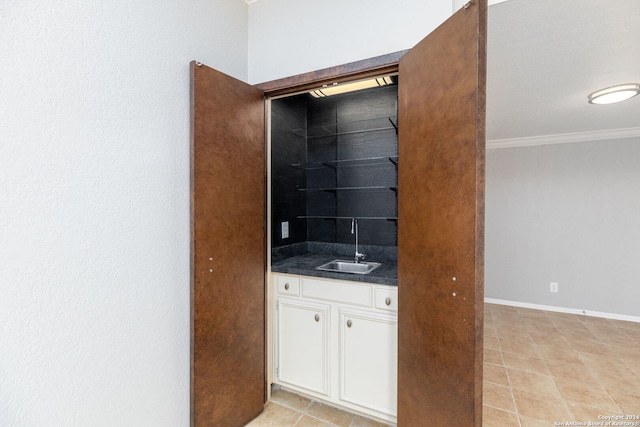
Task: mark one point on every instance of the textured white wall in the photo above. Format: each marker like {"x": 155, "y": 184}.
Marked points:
{"x": 565, "y": 213}
{"x": 94, "y": 204}
{"x": 291, "y": 37}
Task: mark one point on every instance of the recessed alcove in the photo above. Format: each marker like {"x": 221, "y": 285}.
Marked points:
{"x": 334, "y": 159}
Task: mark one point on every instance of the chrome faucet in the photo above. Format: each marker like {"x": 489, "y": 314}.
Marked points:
{"x": 354, "y": 230}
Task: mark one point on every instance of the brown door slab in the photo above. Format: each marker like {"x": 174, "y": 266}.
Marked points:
{"x": 441, "y": 117}
{"x": 228, "y": 260}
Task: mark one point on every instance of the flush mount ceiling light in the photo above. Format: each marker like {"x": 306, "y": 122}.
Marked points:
{"x": 337, "y": 88}
{"x": 614, "y": 94}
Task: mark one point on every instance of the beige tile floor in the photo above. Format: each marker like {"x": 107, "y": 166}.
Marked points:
{"x": 541, "y": 368}
{"x": 287, "y": 410}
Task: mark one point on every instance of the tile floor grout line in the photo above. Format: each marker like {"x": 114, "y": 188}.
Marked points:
{"x": 600, "y": 383}
{"x": 564, "y": 401}
{"x": 513, "y": 397}
{"x": 298, "y": 420}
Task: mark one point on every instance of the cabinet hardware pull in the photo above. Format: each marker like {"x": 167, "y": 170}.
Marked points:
{"x": 349, "y": 323}
{"x": 317, "y": 317}
{"x": 286, "y": 286}
{"x": 387, "y": 301}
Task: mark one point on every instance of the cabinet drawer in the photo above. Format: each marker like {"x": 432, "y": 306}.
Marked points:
{"x": 288, "y": 285}
{"x": 386, "y": 299}
{"x": 337, "y": 292}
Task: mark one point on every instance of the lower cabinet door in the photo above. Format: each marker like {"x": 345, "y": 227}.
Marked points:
{"x": 303, "y": 344}
{"x": 368, "y": 360}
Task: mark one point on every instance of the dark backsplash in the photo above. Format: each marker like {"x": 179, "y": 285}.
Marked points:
{"x": 343, "y": 250}
{"x": 288, "y": 148}
{"x": 296, "y": 139}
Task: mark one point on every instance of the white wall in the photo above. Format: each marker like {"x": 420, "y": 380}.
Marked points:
{"x": 291, "y": 37}
{"x": 94, "y": 204}
{"x": 565, "y": 213}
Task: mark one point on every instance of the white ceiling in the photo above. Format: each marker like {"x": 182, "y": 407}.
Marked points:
{"x": 546, "y": 56}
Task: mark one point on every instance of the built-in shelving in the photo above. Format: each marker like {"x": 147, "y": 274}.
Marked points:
{"x": 336, "y": 159}
{"x": 365, "y": 161}
{"x": 376, "y": 124}
{"x": 386, "y": 218}
{"x": 373, "y": 187}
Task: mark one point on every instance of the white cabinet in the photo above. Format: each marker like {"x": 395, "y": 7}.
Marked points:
{"x": 303, "y": 344}
{"x": 368, "y": 359}
{"x": 338, "y": 341}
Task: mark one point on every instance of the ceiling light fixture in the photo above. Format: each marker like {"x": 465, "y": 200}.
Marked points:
{"x": 338, "y": 88}
{"x": 614, "y": 94}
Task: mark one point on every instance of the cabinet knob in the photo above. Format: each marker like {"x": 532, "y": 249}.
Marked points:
{"x": 349, "y": 323}
{"x": 387, "y": 301}
{"x": 317, "y": 317}
{"x": 286, "y": 286}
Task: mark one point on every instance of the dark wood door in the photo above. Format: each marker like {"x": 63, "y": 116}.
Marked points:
{"x": 441, "y": 109}
{"x": 227, "y": 250}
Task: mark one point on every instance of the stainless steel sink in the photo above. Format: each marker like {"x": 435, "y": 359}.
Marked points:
{"x": 342, "y": 266}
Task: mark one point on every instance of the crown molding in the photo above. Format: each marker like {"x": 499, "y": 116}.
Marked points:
{"x": 565, "y": 138}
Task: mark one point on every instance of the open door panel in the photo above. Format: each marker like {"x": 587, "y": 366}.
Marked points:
{"x": 441, "y": 145}
{"x": 228, "y": 260}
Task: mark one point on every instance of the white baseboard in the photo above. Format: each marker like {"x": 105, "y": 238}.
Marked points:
{"x": 564, "y": 310}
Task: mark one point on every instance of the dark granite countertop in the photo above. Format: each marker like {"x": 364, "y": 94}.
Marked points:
{"x": 305, "y": 265}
